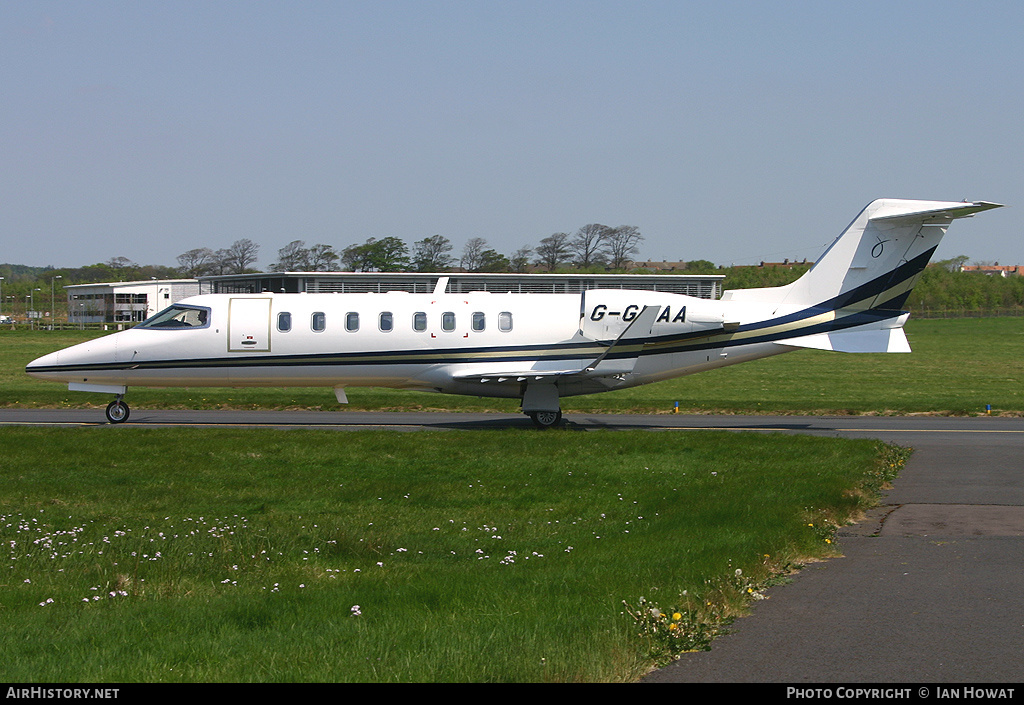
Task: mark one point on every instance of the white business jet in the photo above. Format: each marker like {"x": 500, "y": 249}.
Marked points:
{"x": 534, "y": 347}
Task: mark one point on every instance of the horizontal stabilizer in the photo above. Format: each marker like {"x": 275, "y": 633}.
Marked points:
{"x": 943, "y": 212}
{"x": 891, "y": 340}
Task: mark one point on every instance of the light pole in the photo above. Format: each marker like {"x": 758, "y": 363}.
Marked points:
{"x": 53, "y": 303}
{"x": 32, "y": 308}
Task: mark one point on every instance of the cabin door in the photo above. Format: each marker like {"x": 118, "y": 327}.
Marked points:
{"x": 249, "y": 325}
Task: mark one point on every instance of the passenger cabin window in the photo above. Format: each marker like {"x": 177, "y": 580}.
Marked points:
{"x": 179, "y": 316}
{"x": 505, "y": 321}
{"x": 351, "y": 321}
{"x": 478, "y": 321}
{"x": 448, "y": 321}
{"x": 319, "y": 321}
{"x": 419, "y": 321}
{"x": 386, "y": 321}
{"x": 284, "y": 321}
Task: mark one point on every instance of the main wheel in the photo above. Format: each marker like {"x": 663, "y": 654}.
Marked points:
{"x": 117, "y": 411}
{"x": 546, "y": 419}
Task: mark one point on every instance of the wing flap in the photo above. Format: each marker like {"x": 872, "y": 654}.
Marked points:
{"x": 604, "y": 369}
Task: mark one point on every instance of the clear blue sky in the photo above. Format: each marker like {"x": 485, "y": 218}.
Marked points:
{"x": 727, "y": 131}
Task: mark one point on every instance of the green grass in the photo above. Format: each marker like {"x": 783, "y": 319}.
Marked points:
{"x": 178, "y": 555}
{"x": 957, "y": 367}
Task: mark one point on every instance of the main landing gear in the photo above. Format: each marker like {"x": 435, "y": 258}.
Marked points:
{"x": 546, "y": 419}
{"x": 117, "y": 410}
{"x": 540, "y": 403}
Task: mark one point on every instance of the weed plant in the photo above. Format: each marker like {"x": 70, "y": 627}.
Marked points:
{"x": 181, "y": 555}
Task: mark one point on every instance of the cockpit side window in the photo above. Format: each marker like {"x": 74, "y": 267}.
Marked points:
{"x": 179, "y": 316}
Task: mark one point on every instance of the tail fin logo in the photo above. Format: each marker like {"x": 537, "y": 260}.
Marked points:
{"x": 878, "y": 248}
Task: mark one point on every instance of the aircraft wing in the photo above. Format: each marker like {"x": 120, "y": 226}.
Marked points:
{"x": 620, "y": 367}
{"x": 599, "y": 367}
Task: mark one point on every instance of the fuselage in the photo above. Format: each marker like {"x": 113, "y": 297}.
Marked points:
{"x": 439, "y": 342}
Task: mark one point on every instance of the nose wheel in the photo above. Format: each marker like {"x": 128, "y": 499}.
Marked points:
{"x": 117, "y": 411}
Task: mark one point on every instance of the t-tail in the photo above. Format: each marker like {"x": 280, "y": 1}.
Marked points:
{"x": 853, "y": 298}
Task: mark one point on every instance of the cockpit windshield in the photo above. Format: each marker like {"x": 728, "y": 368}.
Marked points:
{"x": 179, "y": 316}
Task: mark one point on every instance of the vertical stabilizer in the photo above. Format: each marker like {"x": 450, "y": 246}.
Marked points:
{"x": 877, "y": 260}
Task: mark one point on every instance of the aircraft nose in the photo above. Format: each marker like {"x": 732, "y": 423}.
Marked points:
{"x": 37, "y": 368}
{"x": 69, "y": 364}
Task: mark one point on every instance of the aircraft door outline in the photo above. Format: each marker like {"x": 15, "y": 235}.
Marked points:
{"x": 249, "y": 325}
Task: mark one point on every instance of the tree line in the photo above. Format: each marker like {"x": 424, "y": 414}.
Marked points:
{"x": 594, "y": 247}
{"x": 941, "y": 288}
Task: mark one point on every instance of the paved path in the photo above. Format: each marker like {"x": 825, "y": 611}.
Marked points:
{"x": 931, "y": 588}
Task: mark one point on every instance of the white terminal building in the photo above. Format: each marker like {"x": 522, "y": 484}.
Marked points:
{"x": 125, "y": 303}
{"x": 128, "y": 303}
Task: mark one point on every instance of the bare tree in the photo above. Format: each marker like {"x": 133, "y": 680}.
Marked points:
{"x": 588, "y": 245}
{"x": 431, "y": 254}
{"x": 240, "y": 256}
{"x": 520, "y": 259}
{"x": 196, "y": 262}
{"x": 553, "y": 251}
{"x": 473, "y": 254}
{"x": 621, "y": 244}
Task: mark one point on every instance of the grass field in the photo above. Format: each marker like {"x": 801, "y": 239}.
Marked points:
{"x": 138, "y": 555}
{"x": 958, "y": 367}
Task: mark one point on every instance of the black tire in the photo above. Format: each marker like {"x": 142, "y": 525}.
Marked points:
{"x": 117, "y": 411}
{"x": 546, "y": 419}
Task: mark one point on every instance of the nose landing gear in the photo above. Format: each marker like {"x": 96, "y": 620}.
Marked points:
{"x": 117, "y": 410}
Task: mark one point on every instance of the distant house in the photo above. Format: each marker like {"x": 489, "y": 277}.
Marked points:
{"x": 784, "y": 264}
{"x": 994, "y": 270}
{"x": 654, "y": 266}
